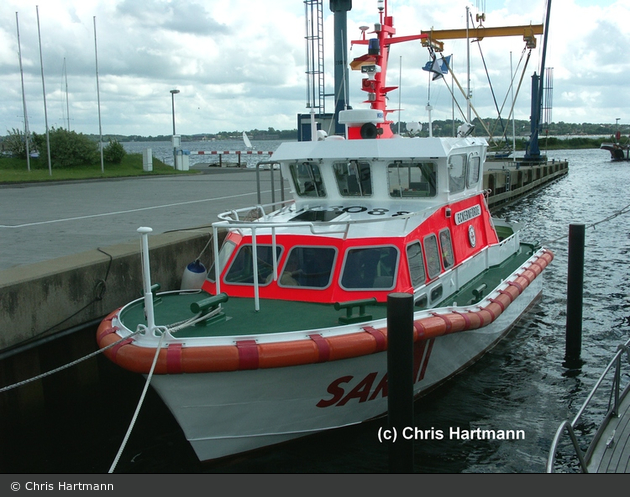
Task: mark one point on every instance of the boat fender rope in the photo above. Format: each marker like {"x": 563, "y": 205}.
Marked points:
{"x": 118, "y": 346}
{"x": 510, "y": 296}
{"x": 420, "y": 330}
{"x": 466, "y": 317}
{"x": 174, "y": 358}
{"x": 482, "y": 321}
{"x": 248, "y": 357}
{"x": 516, "y": 285}
{"x": 323, "y": 349}
{"x": 381, "y": 340}
{"x": 538, "y": 265}
{"x": 493, "y": 316}
{"x": 105, "y": 332}
{"x": 499, "y": 303}
{"x": 447, "y": 321}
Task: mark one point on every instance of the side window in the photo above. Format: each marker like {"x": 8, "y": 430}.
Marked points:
{"x": 224, "y": 255}
{"x": 242, "y": 269}
{"x": 474, "y": 167}
{"x": 416, "y": 264}
{"x": 456, "y": 173}
{"x": 354, "y": 178}
{"x": 411, "y": 179}
{"x": 448, "y": 259}
{"x": 370, "y": 268}
{"x": 433, "y": 256}
{"x": 307, "y": 179}
{"x": 309, "y": 267}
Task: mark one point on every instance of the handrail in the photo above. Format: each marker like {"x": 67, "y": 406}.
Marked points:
{"x": 270, "y": 163}
{"x": 611, "y": 411}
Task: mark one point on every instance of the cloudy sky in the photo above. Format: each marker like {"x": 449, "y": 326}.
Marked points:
{"x": 240, "y": 64}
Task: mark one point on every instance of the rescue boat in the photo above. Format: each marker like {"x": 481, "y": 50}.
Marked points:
{"x": 288, "y": 334}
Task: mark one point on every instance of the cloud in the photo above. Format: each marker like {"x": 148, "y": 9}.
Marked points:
{"x": 241, "y": 64}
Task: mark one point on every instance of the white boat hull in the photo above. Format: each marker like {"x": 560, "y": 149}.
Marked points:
{"x": 227, "y": 413}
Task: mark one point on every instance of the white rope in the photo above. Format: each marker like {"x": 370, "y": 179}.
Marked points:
{"x": 61, "y": 368}
{"x": 140, "y": 402}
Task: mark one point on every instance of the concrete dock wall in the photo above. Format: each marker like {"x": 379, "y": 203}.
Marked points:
{"x": 48, "y": 297}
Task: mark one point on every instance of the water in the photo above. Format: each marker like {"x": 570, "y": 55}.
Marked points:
{"x": 521, "y": 384}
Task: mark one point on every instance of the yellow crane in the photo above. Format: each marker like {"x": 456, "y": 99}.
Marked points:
{"x": 435, "y": 36}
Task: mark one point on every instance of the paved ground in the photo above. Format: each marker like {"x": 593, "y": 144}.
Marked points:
{"x": 43, "y": 222}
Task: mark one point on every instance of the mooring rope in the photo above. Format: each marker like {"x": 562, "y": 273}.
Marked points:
{"x": 65, "y": 366}
{"x": 141, "y": 401}
{"x": 624, "y": 210}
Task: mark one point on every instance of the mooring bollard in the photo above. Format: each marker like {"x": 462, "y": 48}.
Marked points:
{"x": 575, "y": 290}
{"x": 400, "y": 379}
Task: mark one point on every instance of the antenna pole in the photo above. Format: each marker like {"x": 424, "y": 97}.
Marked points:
{"x": 41, "y": 61}
{"x": 26, "y": 137}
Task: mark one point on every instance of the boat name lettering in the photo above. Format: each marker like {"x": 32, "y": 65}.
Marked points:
{"x": 374, "y": 385}
{"x": 468, "y": 214}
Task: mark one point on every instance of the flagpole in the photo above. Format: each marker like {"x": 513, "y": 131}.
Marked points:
{"x": 28, "y": 151}
{"x": 98, "y": 97}
{"x": 41, "y": 60}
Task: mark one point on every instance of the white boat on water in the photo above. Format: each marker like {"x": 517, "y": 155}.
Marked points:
{"x": 288, "y": 334}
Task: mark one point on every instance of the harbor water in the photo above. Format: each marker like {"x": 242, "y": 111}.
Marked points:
{"x": 520, "y": 385}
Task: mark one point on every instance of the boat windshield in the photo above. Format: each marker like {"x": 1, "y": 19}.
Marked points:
{"x": 412, "y": 179}
{"x": 354, "y": 178}
{"x": 370, "y": 268}
{"x": 309, "y": 267}
{"x": 241, "y": 270}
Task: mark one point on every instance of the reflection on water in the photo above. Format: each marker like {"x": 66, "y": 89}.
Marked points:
{"x": 76, "y": 420}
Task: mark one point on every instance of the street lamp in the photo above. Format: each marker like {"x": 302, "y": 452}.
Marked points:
{"x": 173, "y": 92}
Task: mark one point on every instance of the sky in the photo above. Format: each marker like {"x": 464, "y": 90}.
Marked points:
{"x": 109, "y": 65}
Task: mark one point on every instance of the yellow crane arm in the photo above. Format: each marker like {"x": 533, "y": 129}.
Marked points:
{"x": 434, "y": 36}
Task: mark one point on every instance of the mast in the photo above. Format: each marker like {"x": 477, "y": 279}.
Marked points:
{"x": 374, "y": 65}
{"x": 533, "y": 151}
{"x": 340, "y": 9}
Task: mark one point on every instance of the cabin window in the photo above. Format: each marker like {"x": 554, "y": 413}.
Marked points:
{"x": 416, "y": 264}
{"x": 411, "y": 179}
{"x": 433, "y": 256}
{"x": 224, "y": 255}
{"x": 456, "y": 173}
{"x": 242, "y": 268}
{"x": 309, "y": 267}
{"x": 474, "y": 168}
{"x": 446, "y": 245}
{"x": 307, "y": 179}
{"x": 370, "y": 268}
{"x": 354, "y": 178}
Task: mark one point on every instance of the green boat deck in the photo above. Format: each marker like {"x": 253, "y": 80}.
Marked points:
{"x": 239, "y": 316}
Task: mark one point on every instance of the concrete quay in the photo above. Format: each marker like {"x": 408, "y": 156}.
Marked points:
{"x": 70, "y": 251}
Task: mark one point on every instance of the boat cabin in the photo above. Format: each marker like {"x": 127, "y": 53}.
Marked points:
{"x": 394, "y": 218}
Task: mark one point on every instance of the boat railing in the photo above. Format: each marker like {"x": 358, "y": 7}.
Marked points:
{"x": 615, "y": 395}
{"x": 272, "y": 166}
